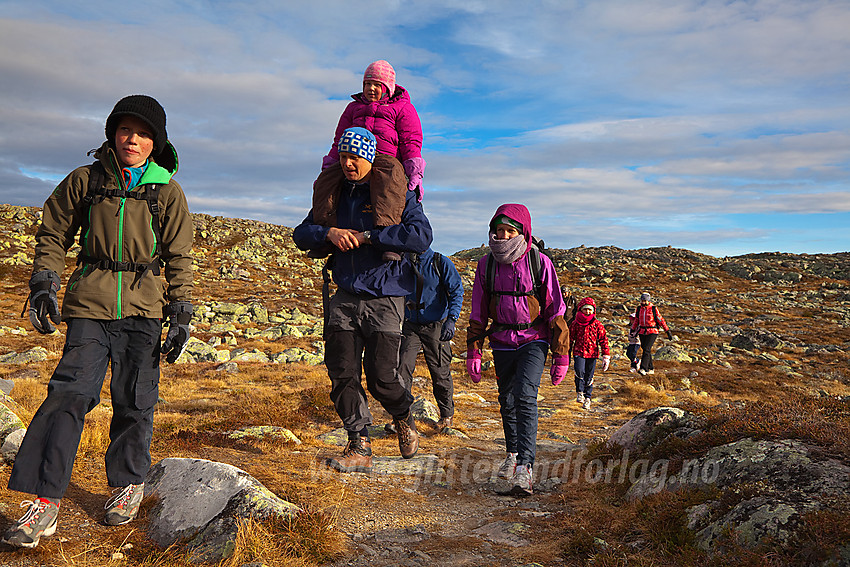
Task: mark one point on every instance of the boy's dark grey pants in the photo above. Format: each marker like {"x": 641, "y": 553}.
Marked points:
{"x": 364, "y": 331}
{"x": 46, "y": 457}
{"x": 438, "y": 357}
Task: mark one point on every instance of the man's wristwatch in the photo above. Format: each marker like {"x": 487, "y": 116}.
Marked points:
{"x": 367, "y": 234}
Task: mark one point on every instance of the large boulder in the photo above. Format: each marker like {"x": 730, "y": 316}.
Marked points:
{"x": 200, "y": 503}
{"x": 778, "y": 481}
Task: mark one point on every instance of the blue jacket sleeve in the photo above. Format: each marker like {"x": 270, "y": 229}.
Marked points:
{"x": 412, "y": 234}
{"x": 309, "y": 235}
{"x": 454, "y": 287}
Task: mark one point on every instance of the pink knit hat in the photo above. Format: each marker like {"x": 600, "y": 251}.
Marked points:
{"x": 382, "y": 72}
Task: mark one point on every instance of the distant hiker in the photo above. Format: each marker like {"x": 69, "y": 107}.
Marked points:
{"x": 430, "y": 314}
{"x": 634, "y": 344}
{"x": 587, "y": 341}
{"x": 571, "y": 304}
{"x": 384, "y": 108}
{"x": 132, "y": 219}
{"x": 528, "y": 319}
{"x": 646, "y": 323}
{"x": 367, "y": 309}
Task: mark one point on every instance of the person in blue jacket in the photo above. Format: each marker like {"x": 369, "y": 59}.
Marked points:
{"x": 429, "y": 322}
{"x": 367, "y": 310}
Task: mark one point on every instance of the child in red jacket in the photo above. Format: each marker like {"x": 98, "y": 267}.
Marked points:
{"x": 587, "y": 334}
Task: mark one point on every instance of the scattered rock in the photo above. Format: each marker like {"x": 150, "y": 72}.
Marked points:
{"x": 199, "y": 504}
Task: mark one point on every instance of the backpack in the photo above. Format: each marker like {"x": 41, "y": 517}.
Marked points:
{"x": 437, "y": 260}
{"x": 654, "y": 316}
{"x": 96, "y": 193}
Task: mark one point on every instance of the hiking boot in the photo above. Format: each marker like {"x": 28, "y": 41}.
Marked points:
{"x": 39, "y": 521}
{"x": 508, "y": 468}
{"x": 391, "y": 256}
{"x": 124, "y": 505}
{"x": 444, "y": 423}
{"x": 390, "y": 427}
{"x": 356, "y": 457}
{"x": 521, "y": 481}
{"x": 408, "y": 438}
{"x": 587, "y": 403}
{"x": 580, "y": 398}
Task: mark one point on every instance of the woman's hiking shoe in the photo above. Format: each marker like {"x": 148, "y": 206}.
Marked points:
{"x": 356, "y": 457}
{"x": 580, "y": 398}
{"x": 521, "y": 482}
{"x": 124, "y": 505}
{"x": 39, "y": 521}
{"x": 408, "y": 437}
{"x": 508, "y": 468}
{"x": 444, "y": 423}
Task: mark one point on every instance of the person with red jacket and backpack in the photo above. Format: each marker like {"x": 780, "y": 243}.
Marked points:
{"x": 587, "y": 335}
{"x": 645, "y": 324}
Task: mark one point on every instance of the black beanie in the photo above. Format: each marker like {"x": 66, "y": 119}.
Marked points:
{"x": 144, "y": 107}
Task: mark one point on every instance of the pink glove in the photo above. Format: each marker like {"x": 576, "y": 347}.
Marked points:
{"x": 606, "y": 362}
{"x": 473, "y": 365}
{"x": 560, "y": 365}
{"x": 414, "y": 169}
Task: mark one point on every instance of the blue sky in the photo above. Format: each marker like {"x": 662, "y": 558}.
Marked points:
{"x": 721, "y": 127}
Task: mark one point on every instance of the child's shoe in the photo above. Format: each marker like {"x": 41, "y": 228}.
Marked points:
{"x": 587, "y": 403}
{"x": 522, "y": 481}
{"x": 580, "y": 398}
{"x": 508, "y": 468}
{"x": 39, "y": 521}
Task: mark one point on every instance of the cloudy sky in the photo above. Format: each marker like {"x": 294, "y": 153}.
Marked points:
{"x": 718, "y": 126}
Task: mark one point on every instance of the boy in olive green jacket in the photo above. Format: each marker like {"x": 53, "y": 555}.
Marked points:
{"x": 134, "y": 226}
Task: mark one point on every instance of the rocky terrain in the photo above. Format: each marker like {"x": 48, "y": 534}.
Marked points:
{"x": 745, "y": 463}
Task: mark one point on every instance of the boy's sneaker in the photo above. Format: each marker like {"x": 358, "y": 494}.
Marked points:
{"x": 39, "y": 521}
{"x": 642, "y": 372}
{"x": 580, "y": 398}
{"x": 124, "y": 505}
{"x": 508, "y": 468}
{"x": 587, "y": 403}
{"x": 522, "y": 481}
{"x": 650, "y": 371}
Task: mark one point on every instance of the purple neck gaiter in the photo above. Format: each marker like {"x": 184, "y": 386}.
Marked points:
{"x": 507, "y": 251}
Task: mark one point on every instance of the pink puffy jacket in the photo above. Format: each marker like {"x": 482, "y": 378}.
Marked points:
{"x": 395, "y": 123}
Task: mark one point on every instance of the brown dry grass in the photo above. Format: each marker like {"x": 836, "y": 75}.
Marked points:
{"x": 200, "y": 404}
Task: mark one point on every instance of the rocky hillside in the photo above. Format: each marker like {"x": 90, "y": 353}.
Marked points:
{"x": 759, "y": 365}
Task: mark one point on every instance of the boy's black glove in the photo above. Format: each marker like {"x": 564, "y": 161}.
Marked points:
{"x": 179, "y": 314}
{"x": 44, "y": 307}
{"x": 669, "y": 335}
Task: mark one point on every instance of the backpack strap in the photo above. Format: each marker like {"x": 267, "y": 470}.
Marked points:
{"x": 326, "y": 291}
{"x": 96, "y": 193}
{"x": 533, "y": 258}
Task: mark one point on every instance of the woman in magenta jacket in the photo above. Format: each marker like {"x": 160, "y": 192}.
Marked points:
{"x": 384, "y": 108}
{"x": 528, "y": 321}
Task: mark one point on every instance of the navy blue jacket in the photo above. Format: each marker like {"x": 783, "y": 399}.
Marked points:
{"x": 362, "y": 271}
{"x": 441, "y": 297}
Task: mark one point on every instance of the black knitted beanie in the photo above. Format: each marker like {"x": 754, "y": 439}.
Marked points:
{"x": 144, "y": 107}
